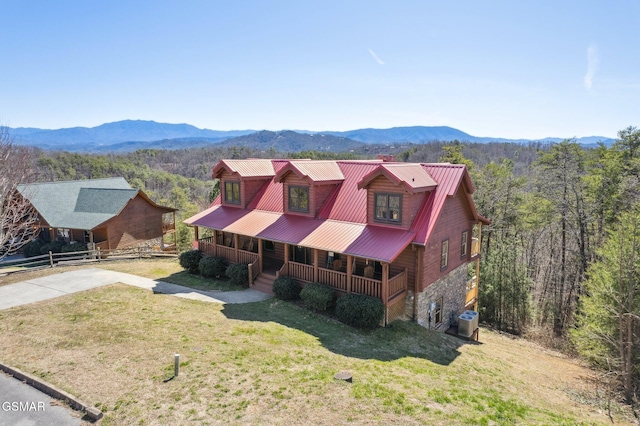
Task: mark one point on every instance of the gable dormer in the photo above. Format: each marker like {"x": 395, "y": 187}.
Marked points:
{"x": 307, "y": 185}
{"x": 395, "y": 192}
{"x": 241, "y": 180}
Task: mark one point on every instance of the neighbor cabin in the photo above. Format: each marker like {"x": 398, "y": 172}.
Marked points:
{"x": 106, "y": 214}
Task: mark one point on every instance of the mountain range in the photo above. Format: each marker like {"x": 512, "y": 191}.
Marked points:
{"x": 131, "y": 135}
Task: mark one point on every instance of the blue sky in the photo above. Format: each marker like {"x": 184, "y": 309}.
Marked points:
{"x": 514, "y": 69}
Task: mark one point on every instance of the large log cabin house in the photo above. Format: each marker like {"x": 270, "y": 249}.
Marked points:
{"x": 406, "y": 233}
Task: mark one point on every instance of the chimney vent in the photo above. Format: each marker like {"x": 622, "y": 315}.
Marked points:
{"x": 386, "y": 158}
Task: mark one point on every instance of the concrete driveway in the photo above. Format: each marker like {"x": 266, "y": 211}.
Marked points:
{"x": 60, "y": 284}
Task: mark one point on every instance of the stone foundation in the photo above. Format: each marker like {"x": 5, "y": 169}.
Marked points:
{"x": 154, "y": 243}
{"x": 452, "y": 288}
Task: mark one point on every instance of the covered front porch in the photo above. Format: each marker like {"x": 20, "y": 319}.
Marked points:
{"x": 345, "y": 273}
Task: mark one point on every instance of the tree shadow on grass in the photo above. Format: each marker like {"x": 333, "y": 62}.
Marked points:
{"x": 399, "y": 340}
{"x": 199, "y": 282}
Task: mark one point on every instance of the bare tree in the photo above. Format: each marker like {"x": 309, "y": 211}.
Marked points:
{"x": 18, "y": 218}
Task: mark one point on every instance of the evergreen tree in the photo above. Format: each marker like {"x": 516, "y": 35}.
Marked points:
{"x": 608, "y": 329}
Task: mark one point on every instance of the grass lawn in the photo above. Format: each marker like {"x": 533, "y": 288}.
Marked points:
{"x": 273, "y": 363}
{"x": 165, "y": 269}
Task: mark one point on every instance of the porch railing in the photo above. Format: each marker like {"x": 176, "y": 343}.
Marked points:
{"x": 300, "y": 271}
{"x": 227, "y": 253}
{"x": 472, "y": 290}
{"x": 338, "y": 280}
{"x": 398, "y": 284}
{"x": 368, "y": 286}
{"x": 254, "y": 270}
{"x": 284, "y": 270}
{"x": 335, "y": 279}
{"x": 475, "y": 247}
{"x": 247, "y": 256}
{"x": 207, "y": 246}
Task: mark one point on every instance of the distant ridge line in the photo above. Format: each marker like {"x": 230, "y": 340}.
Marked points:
{"x": 131, "y": 135}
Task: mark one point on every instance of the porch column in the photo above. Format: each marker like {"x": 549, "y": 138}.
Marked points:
{"x": 215, "y": 242}
{"x": 52, "y": 234}
{"x": 477, "y": 284}
{"x": 175, "y": 235}
{"x": 315, "y": 265}
{"x": 385, "y": 288}
{"x": 349, "y": 267}
{"x": 236, "y": 243}
{"x": 286, "y": 253}
{"x": 92, "y": 246}
{"x": 417, "y": 280}
{"x": 260, "y": 254}
{"x": 196, "y": 233}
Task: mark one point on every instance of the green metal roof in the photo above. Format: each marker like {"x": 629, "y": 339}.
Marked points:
{"x": 80, "y": 204}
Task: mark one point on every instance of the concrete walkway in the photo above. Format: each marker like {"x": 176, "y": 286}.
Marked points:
{"x": 56, "y": 285}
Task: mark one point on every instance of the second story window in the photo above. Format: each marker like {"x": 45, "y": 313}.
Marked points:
{"x": 444, "y": 254}
{"x": 299, "y": 198}
{"x": 463, "y": 245}
{"x": 388, "y": 208}
{"x": 232, "y": 192}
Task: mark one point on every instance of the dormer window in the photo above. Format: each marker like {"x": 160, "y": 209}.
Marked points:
{"x": 299, "y": 198}
{"x": 388, "y": 208}
{"x": 232, "y": 192}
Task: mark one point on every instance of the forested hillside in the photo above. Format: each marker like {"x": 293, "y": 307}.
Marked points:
{"x": 555, "y": 210}
{"x": 562, "y": 253}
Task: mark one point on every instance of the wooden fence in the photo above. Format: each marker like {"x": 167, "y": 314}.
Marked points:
{"x": 49, "y": 260}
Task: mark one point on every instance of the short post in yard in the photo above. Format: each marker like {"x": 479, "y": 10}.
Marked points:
{"x": 176, "y": 364}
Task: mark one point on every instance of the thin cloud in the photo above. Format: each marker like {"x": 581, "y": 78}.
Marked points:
{"x": 593, "y": 62}
{"x": 376, "y": 57}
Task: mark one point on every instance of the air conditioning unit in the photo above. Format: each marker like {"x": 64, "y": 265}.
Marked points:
{"x": 475, "y": 316}
{"x": 465, "y": 325}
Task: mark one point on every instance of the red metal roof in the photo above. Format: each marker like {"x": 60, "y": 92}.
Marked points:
{"x": 349, "y": 203}
{"x": 449, "y": 178}
{"x": 411, "y": 175}
{"x": 341, "y": 224}
{"x": 245, "y": 168}
{"x": 314, "y": 171}
{"x": 270, "y": 198}
{"x": 330, "y": 235}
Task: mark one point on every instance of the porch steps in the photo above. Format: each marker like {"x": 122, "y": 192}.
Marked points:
{"x": 264, "y": 283}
